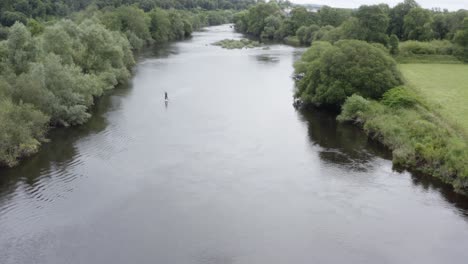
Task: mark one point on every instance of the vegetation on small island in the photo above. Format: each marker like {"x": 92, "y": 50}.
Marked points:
{"x": 237, "y": 44}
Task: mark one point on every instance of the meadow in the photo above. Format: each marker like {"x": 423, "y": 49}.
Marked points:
{"x": 443, "y": 85}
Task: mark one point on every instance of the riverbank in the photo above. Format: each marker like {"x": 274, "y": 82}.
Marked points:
{"x": 422, "y": 123}
{"x": 419, "y": 127}
{"x": 420, "y": 138}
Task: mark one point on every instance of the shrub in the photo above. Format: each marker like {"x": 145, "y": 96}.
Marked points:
{"x": 399, "y": 97}
{"x": 354, "y": 109}
{"x": 394, "y": 45}
{"x": 435, "y": 47}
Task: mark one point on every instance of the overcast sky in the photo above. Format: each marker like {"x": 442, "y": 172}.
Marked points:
{"x": 449, "y": 4}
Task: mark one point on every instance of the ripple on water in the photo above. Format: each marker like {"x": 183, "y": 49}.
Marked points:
{"x": 27, "y": 204}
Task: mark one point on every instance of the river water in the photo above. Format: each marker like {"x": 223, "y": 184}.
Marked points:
{"x": 227, "y": 172}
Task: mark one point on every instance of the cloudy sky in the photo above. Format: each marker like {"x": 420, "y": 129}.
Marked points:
{"x": 449, "y": 4}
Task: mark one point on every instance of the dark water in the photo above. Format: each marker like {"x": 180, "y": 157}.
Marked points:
{"x": 227, "y": 172}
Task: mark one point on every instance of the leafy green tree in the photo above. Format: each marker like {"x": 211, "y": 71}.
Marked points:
{"x": 257, "y": 15}
{"x": 132, "y": 21}
{"x": 160, "y": 25}
{"x": 333, "y": 16}
{"x": 272, "y": 25}
{"x": 301, "y": 17}
{"x": 440, "y": 26}
{"x": 373, "y": 21}
{"x": 322, "y": 32}
{"x": 397, "y": 17}
{"x": 21, "y": 48}
{"x": 352, "y": 29}
{"x": 286, "y": 29}
{"x": 418, "y": 25}
{"x": 334, "y": 72}
{"x": 35, "y": 27}
{"x": 177, "y": 25}
{"x": 22, "y": 128}
{"x": 455, "y": 22}
{"x": 56, "y": 40}
{"x": 394, "y": 45}
{"x": 461, "y": 39}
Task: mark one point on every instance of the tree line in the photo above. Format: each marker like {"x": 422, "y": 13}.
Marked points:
{"x": 22, "y": 10}
{"x": 375, "y": 23}
{"x": 51, "y": 71}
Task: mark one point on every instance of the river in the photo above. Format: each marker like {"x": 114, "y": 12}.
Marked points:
{"x": 227, "y": 172}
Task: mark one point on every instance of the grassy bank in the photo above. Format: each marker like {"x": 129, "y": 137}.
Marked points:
{"x": 444, "y": 86}
{"x": 423, "y": 123}
{"x": 420, "y": 139}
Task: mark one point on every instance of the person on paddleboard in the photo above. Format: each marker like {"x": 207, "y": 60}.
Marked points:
{"x": 165, "y": 96}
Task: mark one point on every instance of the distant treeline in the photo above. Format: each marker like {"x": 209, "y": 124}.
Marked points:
{"x": 51, "y": 71}
{"x": 376, "y": 23}
{"x": 22, "y": 10}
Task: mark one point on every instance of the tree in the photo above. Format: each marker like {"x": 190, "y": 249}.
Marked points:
{"x": 334, "y": 72}
{"x": 373, "y": 21}
{"x": 461, "y": 39}
{"x": 272, "y": 24}
{"x": 333, "y": 16}
{"x": 417, "y": 25}
{"x": 21, "y": 48}
{"x": 160, "y": 25}
{"x": 440, "y": 26}
{"x": 257, "y": 15}
{"x": 394, "y": 45}
{"x": 301, "y": 17}
{"x": 22, "y": 128}
{"x": 397, "y": 17}
{"x": 132, "y": 21}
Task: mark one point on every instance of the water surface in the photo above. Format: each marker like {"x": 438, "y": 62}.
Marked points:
{"x": 226, "y": 172}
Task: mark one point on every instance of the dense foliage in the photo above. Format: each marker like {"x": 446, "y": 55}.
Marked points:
{"x": 461, "y": 40}
{"x": 375, "y": 23}
{"x": 22, "y": 10}
{"x": 51, "y": 72}
{"x": 332, "y": 72}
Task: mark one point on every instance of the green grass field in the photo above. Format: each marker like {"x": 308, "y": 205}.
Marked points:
{"x": 443, "y": 85}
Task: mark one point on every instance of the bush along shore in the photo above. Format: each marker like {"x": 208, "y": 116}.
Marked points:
{"x": 51, "y": 72}
{"x": 363, "y": 81}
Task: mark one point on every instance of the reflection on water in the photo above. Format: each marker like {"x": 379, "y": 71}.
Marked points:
{"x": 346, "y": 145}
{"x": 267, "y": 58}
{"x": 341, "y": 144}
{"x": 430, "y": 184}
{"x": 55, "y": 166}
